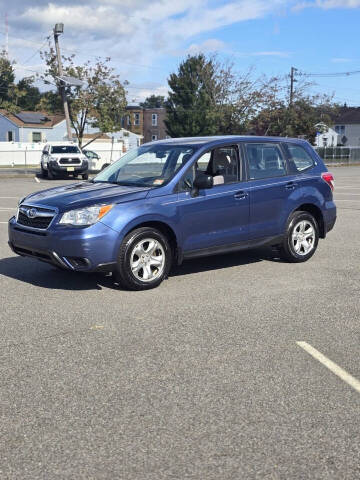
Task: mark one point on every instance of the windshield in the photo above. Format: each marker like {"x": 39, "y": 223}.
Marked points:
{"x": 147, "y": 166}
{"x": 65, "y": 149}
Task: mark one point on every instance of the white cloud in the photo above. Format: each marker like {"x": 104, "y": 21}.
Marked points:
{"x": 208, "y": 46}
{"x": 328, "y": 4}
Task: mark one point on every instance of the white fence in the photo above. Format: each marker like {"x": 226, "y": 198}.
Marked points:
{"x": 339, "y": 155}
{"x": 13, "y": 154}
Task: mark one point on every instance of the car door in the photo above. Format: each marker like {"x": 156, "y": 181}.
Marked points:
{"x": 270, "y": 185}
{"x": 218, "y": 216}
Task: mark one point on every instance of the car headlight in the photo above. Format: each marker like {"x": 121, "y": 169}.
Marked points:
{"x": 85, "y": 216}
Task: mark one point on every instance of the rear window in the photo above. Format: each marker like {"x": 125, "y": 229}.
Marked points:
{"x": 299, "y": 157}
{"x": 64, "y": 149}
{"x": 265, "y": 160}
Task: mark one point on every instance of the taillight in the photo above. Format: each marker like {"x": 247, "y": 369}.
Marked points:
{"x": 329, "y": 179}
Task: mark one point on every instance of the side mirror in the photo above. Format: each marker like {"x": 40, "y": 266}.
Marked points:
{"x": 202, "y": 181}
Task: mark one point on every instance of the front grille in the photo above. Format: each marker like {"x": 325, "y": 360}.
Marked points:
{"x": 42, "y": 219}
{"x": 70, "y": 161}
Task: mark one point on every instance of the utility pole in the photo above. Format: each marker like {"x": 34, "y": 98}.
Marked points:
{"x": 58, "y": 30}
{"x": 292, "y": 81}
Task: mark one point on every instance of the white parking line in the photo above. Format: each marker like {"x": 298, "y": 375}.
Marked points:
{"x": 4, "y": 208}
{"x": 345, "y": 193}
{"x": 340, "y": 372}
{"x": 9, "y": 197}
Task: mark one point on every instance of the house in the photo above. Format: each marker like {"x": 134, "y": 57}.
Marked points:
{"x": 344, "y": 130}
{"x": 154, "y": 126}
{"x": 134, "y": 119}
{"x": 148, "y": 122}
{"x": 34, "y": 127}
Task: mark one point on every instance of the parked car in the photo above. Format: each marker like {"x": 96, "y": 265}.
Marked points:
{"x": 179, "y": 199}
{"x": 63, "y": 160}
{"x": 95, "y": 162}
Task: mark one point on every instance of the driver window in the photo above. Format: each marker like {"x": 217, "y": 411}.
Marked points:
{"x": 221, "y": 163}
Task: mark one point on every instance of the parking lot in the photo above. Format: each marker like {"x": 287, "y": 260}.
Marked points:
{"x": 201, "y": 378}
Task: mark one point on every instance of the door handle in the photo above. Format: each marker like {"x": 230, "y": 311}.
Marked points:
{"x": 291, "y": 186}
{"x": 240, "y": 195}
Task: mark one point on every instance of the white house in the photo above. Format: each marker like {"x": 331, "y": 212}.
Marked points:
{"x": 344, "y": 131}
{"x": 35, "y": 127}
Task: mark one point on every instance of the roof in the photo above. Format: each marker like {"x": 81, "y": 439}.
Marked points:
{"x": 30, "y": 119}
{"x": 215, "y": 140}
{"x": 97, "y": 135}
{"x": 348, "y": 115}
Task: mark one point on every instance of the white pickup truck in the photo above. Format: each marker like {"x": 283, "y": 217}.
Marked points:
{"x": 60, "y": 160}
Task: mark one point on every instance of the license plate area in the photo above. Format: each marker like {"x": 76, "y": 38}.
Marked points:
{"x": 70, "y": 169}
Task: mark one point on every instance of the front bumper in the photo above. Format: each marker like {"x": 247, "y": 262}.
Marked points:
{"x": 63, "y": 169}
{"x": 88, "y": 249}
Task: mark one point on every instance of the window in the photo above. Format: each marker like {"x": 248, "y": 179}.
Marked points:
{"x": 221, "y": 163}
{"x": 128, "y": 120}
{"x": 154, "y": 119}
{"x": 265, "y": 160}
{"x": 153, "y": 138}
{"x": 10, "y": 136}
{"x": 36, "y": 137}
{"x": 65, "y": 149}
{"x": 340, "y": 129}
{"x": 300, "y": 160}
{"x": 137, "y": 119}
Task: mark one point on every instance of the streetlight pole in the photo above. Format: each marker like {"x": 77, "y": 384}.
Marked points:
{"x": 59, "y": 28}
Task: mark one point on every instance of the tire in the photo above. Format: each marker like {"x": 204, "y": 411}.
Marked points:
{"x": 44, "y": 173}
{"x": 136, "y": 243}
{"x": 50, "y": 175}
{"x": 85, "y": 176}
{"x": 301, "y": 238}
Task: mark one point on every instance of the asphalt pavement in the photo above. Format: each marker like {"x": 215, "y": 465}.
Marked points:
{"x": 201, "y": 378}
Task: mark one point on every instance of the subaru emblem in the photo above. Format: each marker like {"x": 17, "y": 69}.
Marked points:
{"x": 31, "y": 213}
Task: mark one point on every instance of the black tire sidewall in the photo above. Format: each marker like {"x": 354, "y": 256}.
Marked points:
{"x": 124, "y": 273}
{"x": 295, "y": 218}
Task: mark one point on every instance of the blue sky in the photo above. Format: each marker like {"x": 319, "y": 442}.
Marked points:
{"x": 147, "y": 40}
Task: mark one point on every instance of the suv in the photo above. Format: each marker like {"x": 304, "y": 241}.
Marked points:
{"x": 177, "y": 199}
{"x": 63, "y": 159}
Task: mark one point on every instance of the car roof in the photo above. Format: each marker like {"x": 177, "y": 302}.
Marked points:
{"x": 214, "y": 140}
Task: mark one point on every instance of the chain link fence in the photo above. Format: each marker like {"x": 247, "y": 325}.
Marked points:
{"x": 339, "y": 155}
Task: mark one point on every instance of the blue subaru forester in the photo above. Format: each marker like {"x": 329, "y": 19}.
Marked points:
{"x": 177, "y": 199}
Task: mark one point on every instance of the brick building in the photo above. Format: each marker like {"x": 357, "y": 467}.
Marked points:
{"x": 148, "y": 122}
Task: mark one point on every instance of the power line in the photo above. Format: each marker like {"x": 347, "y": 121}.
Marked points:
{"x": 326, "y": 75}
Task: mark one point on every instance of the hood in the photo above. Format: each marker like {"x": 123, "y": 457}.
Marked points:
{"x": 84, "y": 194}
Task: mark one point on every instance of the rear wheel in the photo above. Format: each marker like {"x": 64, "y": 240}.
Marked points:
{"x": 144, "y": 259}
{"x": 301, "y": 238}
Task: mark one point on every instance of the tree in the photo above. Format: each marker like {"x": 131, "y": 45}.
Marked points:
{"x": 277, "y": 118}
{"x": 154, "y": 101}
{"x": 100, "y": 103}
{"x": 28, "y": 96}
{"x": 7, "y": 79}
{"x": 191, "y": 108}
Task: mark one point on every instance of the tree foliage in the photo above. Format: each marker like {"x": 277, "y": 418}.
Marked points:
{"x": 191, "y": 107}
{"x": 100, "y": 103}
{"x": 154, "y": 101}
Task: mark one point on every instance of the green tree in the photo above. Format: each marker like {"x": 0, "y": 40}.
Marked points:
{"x": 28, "y": 96}
{"x": 191, "y": 108}
{"x": 154, "y": 101}
{"x": 100, "y": 103}
{"x": 277, "y": 118}
{"x": 7, "y": 79}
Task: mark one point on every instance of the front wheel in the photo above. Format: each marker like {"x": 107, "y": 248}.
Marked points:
{"x": 44, "y": 173}
{"x": 301, "y": 238}
{"x": 144, "y": 259}
{"x": 85, "y": 176}
{"x": 50, "y": 175}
